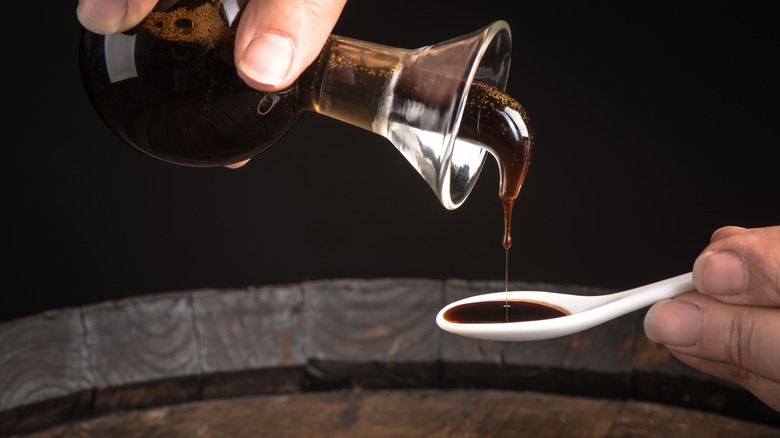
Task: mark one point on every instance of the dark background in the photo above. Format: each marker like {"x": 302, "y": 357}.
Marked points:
{"x": 655, "y": 125}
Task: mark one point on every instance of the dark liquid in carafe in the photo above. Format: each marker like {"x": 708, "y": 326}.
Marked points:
{"x": 169, "y": 87}
{"x": 487, "y": 312}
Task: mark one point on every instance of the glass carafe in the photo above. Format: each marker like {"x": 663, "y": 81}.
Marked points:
{"x": 169, "y": 88}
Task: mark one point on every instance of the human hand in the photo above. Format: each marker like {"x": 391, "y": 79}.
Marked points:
{"x": 730, "y": 328}
{"x": 275, "y": 41}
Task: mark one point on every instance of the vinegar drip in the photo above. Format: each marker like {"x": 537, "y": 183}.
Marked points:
{"x": 500, "y": 124}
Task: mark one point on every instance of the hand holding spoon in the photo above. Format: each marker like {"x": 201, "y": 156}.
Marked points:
{"x": 533, "y": 315}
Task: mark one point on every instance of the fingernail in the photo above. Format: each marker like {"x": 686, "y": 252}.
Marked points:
{"x": 673, "y": 323}
{"x": 104, "y": 17}
{"x": 267, "y": 59}
{"x": 236, "y": 165}
{"x": 719, "y": 273}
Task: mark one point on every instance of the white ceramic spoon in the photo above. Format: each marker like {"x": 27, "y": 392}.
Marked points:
{"x": 585, "y": 311}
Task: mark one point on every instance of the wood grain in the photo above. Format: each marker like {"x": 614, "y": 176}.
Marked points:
{"x": 143, "y": 351}
{"x": 45, "y": 372}
{"x": 373, "y": 333}
{"x": 30, "y": 372}
{"x": 251, "y": 341}
{"x": 413, "y": 413}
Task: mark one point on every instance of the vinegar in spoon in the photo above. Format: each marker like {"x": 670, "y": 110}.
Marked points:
{"x": 487, "y": 312}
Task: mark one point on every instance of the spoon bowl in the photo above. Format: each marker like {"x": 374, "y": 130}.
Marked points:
{"x": 583, "y": 312}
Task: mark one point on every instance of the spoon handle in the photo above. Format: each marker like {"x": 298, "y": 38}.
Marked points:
{"x": 644, "y": 296}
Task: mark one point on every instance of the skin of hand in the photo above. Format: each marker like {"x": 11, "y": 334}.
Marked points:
{"x": 275, "y": 41}
{"x": 729, "y": 327}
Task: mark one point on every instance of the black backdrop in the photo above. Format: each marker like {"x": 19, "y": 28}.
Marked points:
{"x": 655, "y": 125}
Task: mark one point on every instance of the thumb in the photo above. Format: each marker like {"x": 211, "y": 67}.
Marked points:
{"x": 733, "y": 342}
{"x": 278, "y": 39}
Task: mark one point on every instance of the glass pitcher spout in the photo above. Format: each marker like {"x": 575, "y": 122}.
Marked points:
{"x": 416, "y": 99}
{"x": 169, "y": 88}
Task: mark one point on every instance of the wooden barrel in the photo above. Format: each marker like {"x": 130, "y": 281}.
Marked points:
{"x": 346, "y": 358}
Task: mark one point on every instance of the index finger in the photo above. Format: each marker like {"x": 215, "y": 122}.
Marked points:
{"x": 741, "y": 267}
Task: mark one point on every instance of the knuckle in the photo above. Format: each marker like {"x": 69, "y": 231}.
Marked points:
{"x": 760, "y": 249}
{"x": 317, "y": 8}
{"x": 741, "y": 340}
